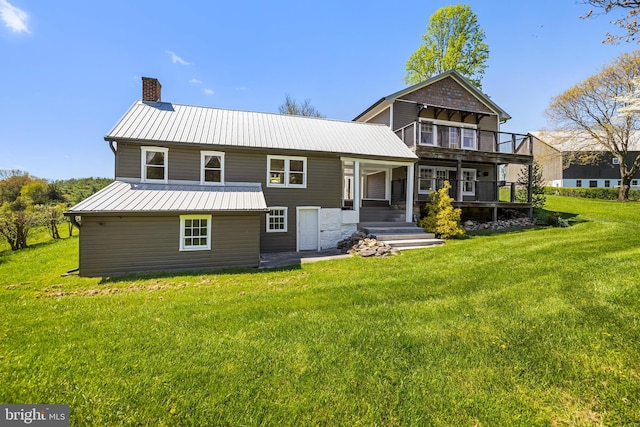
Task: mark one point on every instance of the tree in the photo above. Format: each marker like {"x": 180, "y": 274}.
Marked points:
{"x": 589, "y": 117}
{"x": 15, "y": 227}
{"x": 292, "y": 108}
{"x": 628, "y": 23}
{"x": 442, "y": 218}
{"x": 36, "y": 192}
{"x": 538, "y": 198}
{"x": 453, "y": 40}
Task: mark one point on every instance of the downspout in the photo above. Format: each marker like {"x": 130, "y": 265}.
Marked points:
{"x": 115, "y": 153}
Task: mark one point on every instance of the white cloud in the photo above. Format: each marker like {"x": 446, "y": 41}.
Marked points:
{"x": 208, "y": 91}
{"x": 174, "y": 58}
{"x": 195, "y": 81}
{"x": 14, "y": 18}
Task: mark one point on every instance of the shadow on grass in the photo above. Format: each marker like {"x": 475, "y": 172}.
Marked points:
{"x": 193, "y": 273}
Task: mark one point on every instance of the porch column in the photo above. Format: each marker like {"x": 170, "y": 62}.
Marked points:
{"x": 410, "y": 183}
{"x": 356, "y": 187}
{"x": 459, "y": 175}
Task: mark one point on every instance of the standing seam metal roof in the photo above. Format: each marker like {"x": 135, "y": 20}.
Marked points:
{"x": 176, "y": 123}
{"x": 120, "y": 196}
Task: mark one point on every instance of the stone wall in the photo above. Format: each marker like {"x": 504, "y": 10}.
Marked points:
{"x": 332, "y": 230}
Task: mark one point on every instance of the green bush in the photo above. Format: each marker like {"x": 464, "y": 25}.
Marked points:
{"x": 442, "y": 219}
{"x": 591, "y": 193}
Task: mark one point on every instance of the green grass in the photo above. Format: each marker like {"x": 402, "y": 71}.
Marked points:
{"x": 523, "y": 328}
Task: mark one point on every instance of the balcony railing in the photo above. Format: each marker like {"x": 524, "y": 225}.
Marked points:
{"x": 462, "y": 138}
{"x": 481, "y": 191}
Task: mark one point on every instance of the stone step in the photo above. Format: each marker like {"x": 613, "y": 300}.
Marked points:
{"x": 385, "y": 224}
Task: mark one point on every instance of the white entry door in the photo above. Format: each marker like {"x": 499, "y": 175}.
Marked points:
{"x": 308, "y": 229}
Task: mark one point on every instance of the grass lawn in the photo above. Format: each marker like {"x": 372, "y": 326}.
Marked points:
{"x": 525, "y": 328}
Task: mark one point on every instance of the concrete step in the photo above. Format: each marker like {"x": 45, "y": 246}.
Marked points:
{"x": 405, "y": 236}
{"x": 414, "y": 243}
{"x": 385, "y": 224}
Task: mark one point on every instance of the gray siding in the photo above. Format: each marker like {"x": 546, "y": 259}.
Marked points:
{"x": 383, "y": 118}
{"x": 404, "y": 113}
{"x": 114, "y": 245}
{"x": 324, "y": 181}
{"x": 375, "y": 186}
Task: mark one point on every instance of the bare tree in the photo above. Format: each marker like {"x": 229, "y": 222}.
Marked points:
{"x": 590, "y": 122}
{"x": 292, "y": 108}
{"x": 628, "y": 23}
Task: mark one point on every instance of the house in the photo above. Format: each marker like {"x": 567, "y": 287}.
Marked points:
{"x": 601, "y": 171}
{"x": 201, "y": 188}
{"x": 454, "y": 129}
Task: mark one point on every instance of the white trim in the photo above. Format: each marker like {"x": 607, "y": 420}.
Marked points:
{"x": 143, "y": 163}
{"x": 474, "y": 176}
{"x": 202, "y": 169}
{"x": 285, "y": 216}
{"x": 287, "y": 171}
{"x": 378, "y": 162}
{"x": 409, "y": 200}
{"x": 298, "y": 209}
{"x": 205, "y": 247}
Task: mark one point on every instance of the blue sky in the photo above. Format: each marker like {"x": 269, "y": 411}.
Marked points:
{"x": 71, "y": 69}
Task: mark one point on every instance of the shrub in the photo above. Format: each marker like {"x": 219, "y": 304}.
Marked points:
{"x": 442, "y": 219}
{"x": 591, "y": 193}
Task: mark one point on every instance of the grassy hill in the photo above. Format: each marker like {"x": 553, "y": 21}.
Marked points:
{"x": 524, "y": 328}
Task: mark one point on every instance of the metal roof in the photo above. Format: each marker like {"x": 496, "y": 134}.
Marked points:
{"x": 121, "y": 196}
{"x": 176, "y": 123}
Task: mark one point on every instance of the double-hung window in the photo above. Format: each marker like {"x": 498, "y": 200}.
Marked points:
{"x": 211, "y": 167}
{"x": 195, "y": 232}
{"x": 286, "y": 171}
{"x": 469, "y": 182}
{"x": 426, "y": 182}
{"x": 469, "y": 139}
{"x": 426, "y": 134}
{"x": 277, "y": 220}
{"x": 154, "y": 164}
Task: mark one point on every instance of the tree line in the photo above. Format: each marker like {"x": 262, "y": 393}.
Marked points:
{"x": 27, "y": 201}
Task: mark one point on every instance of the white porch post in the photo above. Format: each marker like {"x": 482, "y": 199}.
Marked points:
{"x": 410, "y": 181}
{"x": 356, "y": 187}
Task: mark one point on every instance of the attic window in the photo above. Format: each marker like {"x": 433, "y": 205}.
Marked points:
{"x": 154, "y": 164}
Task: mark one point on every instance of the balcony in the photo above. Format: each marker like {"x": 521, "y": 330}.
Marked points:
{"x": 427, "y": 139}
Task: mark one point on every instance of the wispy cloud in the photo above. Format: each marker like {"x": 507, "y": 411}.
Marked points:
{"x": 174, "y": 58}
{"x": 195, "y": 82}
{"x": 14, "y": 18}
{"x": 208, "y": 91}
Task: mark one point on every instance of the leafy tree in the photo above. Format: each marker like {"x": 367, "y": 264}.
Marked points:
{"x": 11, "y": 187}
{"x": 292, "y": 108}
{"x": 628, "y": 23}
{"x": 77, "y": 189}
{"x": 442, "y": 218}
{"x": 453, "y": 40}
{"x": 538, "y": 198}
{"x": 36, "y": 192}
{"x": 51, "y": 216}
{"x": 589, "y": 118}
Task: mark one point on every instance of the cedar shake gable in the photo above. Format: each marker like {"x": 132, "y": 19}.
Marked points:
{"x": 447, "y": 93}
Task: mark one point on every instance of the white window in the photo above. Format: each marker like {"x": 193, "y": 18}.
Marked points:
{"x": 634, "y": 183}
{"x": 286, "y": 171}
{"x": 426, "y": 134}
{"x": 195, "y": 232}
{"x": 154, "y": 164}
{"x": 277, "y": 220}
{"x": 211, "y": 167}
{"x": 426, "y": 182}
{"x": 469, "y": 182}
{"x": 469, "y": 139}
{"x": 615, "y": 161}
{"x": 578, "y": 183}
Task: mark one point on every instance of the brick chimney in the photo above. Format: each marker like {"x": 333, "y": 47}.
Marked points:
{"x": 151, "y": 89}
